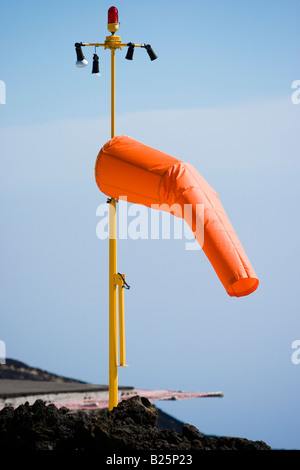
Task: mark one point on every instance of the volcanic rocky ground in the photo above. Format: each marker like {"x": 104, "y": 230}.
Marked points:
{"x": 134, "y": 425}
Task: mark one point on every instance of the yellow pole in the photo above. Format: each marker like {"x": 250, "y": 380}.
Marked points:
{"x": 113, "y": 332}
{"x": 113, "y": 42}
{"x": 112, "y": 93}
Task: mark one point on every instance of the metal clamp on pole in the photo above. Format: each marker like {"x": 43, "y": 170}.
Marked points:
{"x": 125, "y": 285}
{"x": 121, "y": 283}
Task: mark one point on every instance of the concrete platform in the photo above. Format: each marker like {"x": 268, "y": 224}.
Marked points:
{"x": 17, "y": 388}
{"x": 16, "y": 392}
{"x": 79, "y": 395}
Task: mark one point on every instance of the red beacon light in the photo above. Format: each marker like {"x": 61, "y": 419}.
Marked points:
{"x": 113, "y": 15}
{"x": 113, "y": 20}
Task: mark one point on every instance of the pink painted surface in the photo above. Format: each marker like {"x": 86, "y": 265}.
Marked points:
{"x": 152, "y": 395}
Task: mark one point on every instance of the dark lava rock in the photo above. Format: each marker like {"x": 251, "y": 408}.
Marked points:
{"x": 131, "y": 426}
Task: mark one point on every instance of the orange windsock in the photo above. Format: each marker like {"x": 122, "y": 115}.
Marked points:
{"x": 127, "y": 168}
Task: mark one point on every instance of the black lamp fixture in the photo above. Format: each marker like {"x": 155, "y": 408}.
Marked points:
{"x": 81, "y": 60}
{"x": 130, "y": 51}
{"x": 96, "y": 65}
{"x": 150, "y": 51}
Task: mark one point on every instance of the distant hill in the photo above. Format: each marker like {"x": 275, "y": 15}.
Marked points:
{"x": 17, "y": 370}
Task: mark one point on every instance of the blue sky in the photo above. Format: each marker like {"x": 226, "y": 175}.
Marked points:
{"x": 218, "y": 97}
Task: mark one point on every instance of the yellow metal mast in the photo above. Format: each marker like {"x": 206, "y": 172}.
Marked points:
{"x": 116, "y": 280}
{"x": 113, "y": 328}
{"x": 114, "y": 42}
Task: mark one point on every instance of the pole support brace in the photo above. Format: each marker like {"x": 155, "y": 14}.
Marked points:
{"x": 119, "y": 280}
